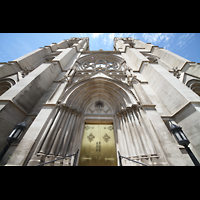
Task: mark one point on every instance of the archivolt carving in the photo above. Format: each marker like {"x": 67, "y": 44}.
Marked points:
{"x": 100, "y": 75}
{"x": 115, "y": 93}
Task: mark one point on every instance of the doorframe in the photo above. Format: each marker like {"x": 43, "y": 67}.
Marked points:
{"x": 97, "y": 119}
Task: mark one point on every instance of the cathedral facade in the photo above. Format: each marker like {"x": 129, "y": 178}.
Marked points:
{"x": 99, "y": 105}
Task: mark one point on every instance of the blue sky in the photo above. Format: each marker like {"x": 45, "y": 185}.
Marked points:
{"x": 14, "y": 45}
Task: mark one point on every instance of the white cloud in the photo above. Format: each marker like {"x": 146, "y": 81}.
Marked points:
{"x": 96, "y": 35}
{"x": 151, "y": 37}
{"x": 104, "y": 40}
{"x": 108, "y": 39}
{"x": 157, "y": 37}
{"x": 167, "y": 46}
{"x": 167, "y": 38}
{"x": 184, "y": 39}
{"x": 111, "y": 36}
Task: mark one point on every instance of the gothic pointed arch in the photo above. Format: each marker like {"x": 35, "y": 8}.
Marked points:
{"x": 116, "y": 95}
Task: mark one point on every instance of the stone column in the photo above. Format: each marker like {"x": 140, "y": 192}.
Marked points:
{"x": 130, "y": 142}
{"x": 71, "y": 132}
{"x": 144, "y": 135}
{"x": 121, "y": 133}
{"x": 65, "y": 142}
{"x": 53, "y": 131}
{"x": 76, "y": 132}
{"x": 60, "y": 134}
{"x": 116, "y": 134}
{"x": 158, "y": 156}
{"x": 47, "y": 128}
{"x": 125, "y": 134}
{"x": 65, "y": 131}
{"x": 148, "y": 140}
{"x": 78, "y": 136}
{"x": 38, "y": 158}
{"x": 134, "y": 134}
{"x": 137, "y": 134}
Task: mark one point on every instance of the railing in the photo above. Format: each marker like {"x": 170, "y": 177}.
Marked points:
{"x": 120, "y": 161}
{"x": 76, "y": 154}
{"x": 75, "y": 158}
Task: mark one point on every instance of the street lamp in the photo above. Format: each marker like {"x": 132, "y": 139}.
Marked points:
{"x": 15, "y": 134}
{"x": 182, "y": 140}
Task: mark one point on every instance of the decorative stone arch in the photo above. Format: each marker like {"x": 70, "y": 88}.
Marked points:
{"x": 64, "y": 135}
{"x": 6, "y": 84}
{"x": 116, "y": 94}
{"x": 194, "y": 85}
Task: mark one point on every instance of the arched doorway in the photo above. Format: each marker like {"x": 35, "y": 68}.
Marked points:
{"x": 99, "y": 100}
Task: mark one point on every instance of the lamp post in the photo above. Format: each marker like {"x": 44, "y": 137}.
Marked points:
{"x": 15, "y": 134}
{"x": 183, "y": 140}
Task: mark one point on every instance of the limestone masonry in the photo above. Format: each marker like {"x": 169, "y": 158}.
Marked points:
{"x": 64, "y": 90}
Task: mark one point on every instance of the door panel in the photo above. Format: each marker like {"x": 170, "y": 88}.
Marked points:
{"x": 107, "y": 155}
{"x": 88, "y": 156}
{"x": 98, "y": 146}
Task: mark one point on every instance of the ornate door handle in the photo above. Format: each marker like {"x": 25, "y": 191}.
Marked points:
{"x": 99, "y": 146}
{"x": 96, "y": 146}
{"x": 110, "y": 159}
{"x": 85, "y": 158}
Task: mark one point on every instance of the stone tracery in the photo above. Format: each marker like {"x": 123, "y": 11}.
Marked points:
{"x": 111, "y": 65}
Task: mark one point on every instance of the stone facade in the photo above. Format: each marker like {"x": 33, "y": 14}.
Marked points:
{"x": 137, "y": 87}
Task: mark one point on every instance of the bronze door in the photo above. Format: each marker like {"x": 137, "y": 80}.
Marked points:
{"x": 98, "y": 146}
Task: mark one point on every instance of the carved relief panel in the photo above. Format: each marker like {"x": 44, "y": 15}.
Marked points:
{"x": 99, "y": 107}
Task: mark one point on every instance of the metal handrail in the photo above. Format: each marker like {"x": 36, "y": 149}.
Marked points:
{"x": 75, "y": 154}
{"x": 130, "y": 160}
